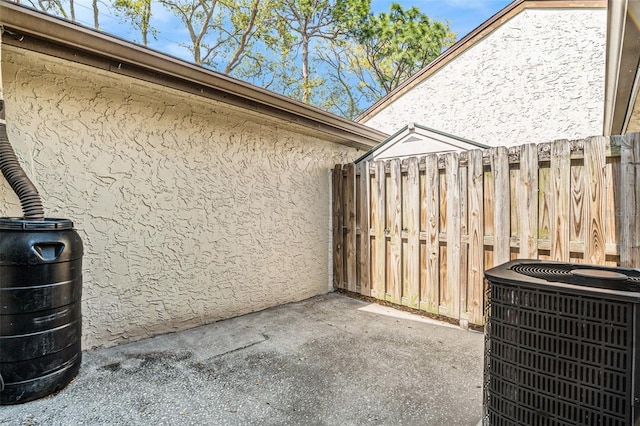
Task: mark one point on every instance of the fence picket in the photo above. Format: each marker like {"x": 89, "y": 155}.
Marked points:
{"x": 475, "y": 288}
{"x": 452, "y": 285}
{"x": 501, "y": 211}
{"x": 379, "y": 289}
{"x": 430, "y": 295}
{"x": 594, "y": 163}
{"x": 527, "y": 202}
{"x": 412, "y": 262}
{"x": 559, "y": 201}
{"x": 364, "y": 262}
{"x": 394, "y": 287}
{"x": 350, "y": 226}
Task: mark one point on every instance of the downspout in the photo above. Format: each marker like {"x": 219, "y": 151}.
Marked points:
{"x": 11, "y": 169}
{"x": 616, "y": 16}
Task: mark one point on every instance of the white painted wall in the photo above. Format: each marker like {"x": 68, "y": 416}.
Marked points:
{"x": 190, "y": 211}
{"x": 538, "y": 77}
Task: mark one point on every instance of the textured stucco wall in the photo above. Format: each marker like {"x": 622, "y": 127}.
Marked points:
{"x": 190, "y": 211}
{"x": 538, "y": 77}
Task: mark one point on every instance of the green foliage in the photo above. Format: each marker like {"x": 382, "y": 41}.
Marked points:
{"x": 399, "y": 43}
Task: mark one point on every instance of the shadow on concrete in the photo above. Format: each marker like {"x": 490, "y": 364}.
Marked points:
{"x": 329, "y": 360}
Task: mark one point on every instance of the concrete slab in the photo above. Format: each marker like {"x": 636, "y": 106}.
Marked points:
{"x": 330, "y": 360}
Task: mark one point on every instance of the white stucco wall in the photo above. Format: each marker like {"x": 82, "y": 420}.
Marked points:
{"x": 538, "y": 77}
{"x": 190, "y": 211}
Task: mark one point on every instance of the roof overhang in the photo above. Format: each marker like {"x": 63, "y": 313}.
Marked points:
{"x": 623, "y": 55}
{"x": 28, "y": 29}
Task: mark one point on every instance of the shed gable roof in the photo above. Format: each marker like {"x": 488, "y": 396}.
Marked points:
{"x": 420, "y": 140}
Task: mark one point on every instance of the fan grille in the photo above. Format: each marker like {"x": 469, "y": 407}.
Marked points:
{"x": 563, "y": 272}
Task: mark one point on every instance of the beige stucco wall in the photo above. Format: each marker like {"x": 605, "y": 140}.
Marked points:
{"x": 537, "y": 77}
{"x": 190, "y": 210}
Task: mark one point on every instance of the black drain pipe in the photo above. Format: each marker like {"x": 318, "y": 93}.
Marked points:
{"x": 13, "y": 172}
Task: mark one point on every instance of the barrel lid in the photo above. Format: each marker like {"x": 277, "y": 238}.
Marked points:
{"x": 48, "y": 224}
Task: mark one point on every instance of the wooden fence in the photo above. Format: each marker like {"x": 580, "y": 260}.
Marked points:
{"x": 420, "y": 232}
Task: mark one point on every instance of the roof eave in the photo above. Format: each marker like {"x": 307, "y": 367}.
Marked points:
{"x": 39, "y": 32}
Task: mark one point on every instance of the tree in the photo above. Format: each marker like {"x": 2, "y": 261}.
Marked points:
{"x": 222, "y": 34}
{"x": 250, "y": 21}
{"x": 399, "y": 43}
{"x": 196, "y": 15}
{"x": 301, "y": 23}
{"x": 345, "y": 89}
{"x": 138, "y": 13}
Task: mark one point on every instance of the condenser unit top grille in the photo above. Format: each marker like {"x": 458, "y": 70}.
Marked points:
{"x": 619, "y": 279}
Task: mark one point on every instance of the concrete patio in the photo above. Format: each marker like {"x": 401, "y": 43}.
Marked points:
{"x": 329, "y": 360}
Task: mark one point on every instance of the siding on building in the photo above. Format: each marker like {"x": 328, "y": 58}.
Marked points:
{"x": 537, "y": 77}
{"x": 190, "y": 210}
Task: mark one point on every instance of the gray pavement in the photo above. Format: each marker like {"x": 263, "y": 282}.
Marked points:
{"x": 329, "y": 360}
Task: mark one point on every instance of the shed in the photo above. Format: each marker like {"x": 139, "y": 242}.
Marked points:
{"x": 415, "y": 140}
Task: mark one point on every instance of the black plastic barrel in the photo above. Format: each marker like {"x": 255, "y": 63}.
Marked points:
{"x": 40, "y": 307}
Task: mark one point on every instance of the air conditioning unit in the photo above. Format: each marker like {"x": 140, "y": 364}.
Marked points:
{"x": 562, "y": 345}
